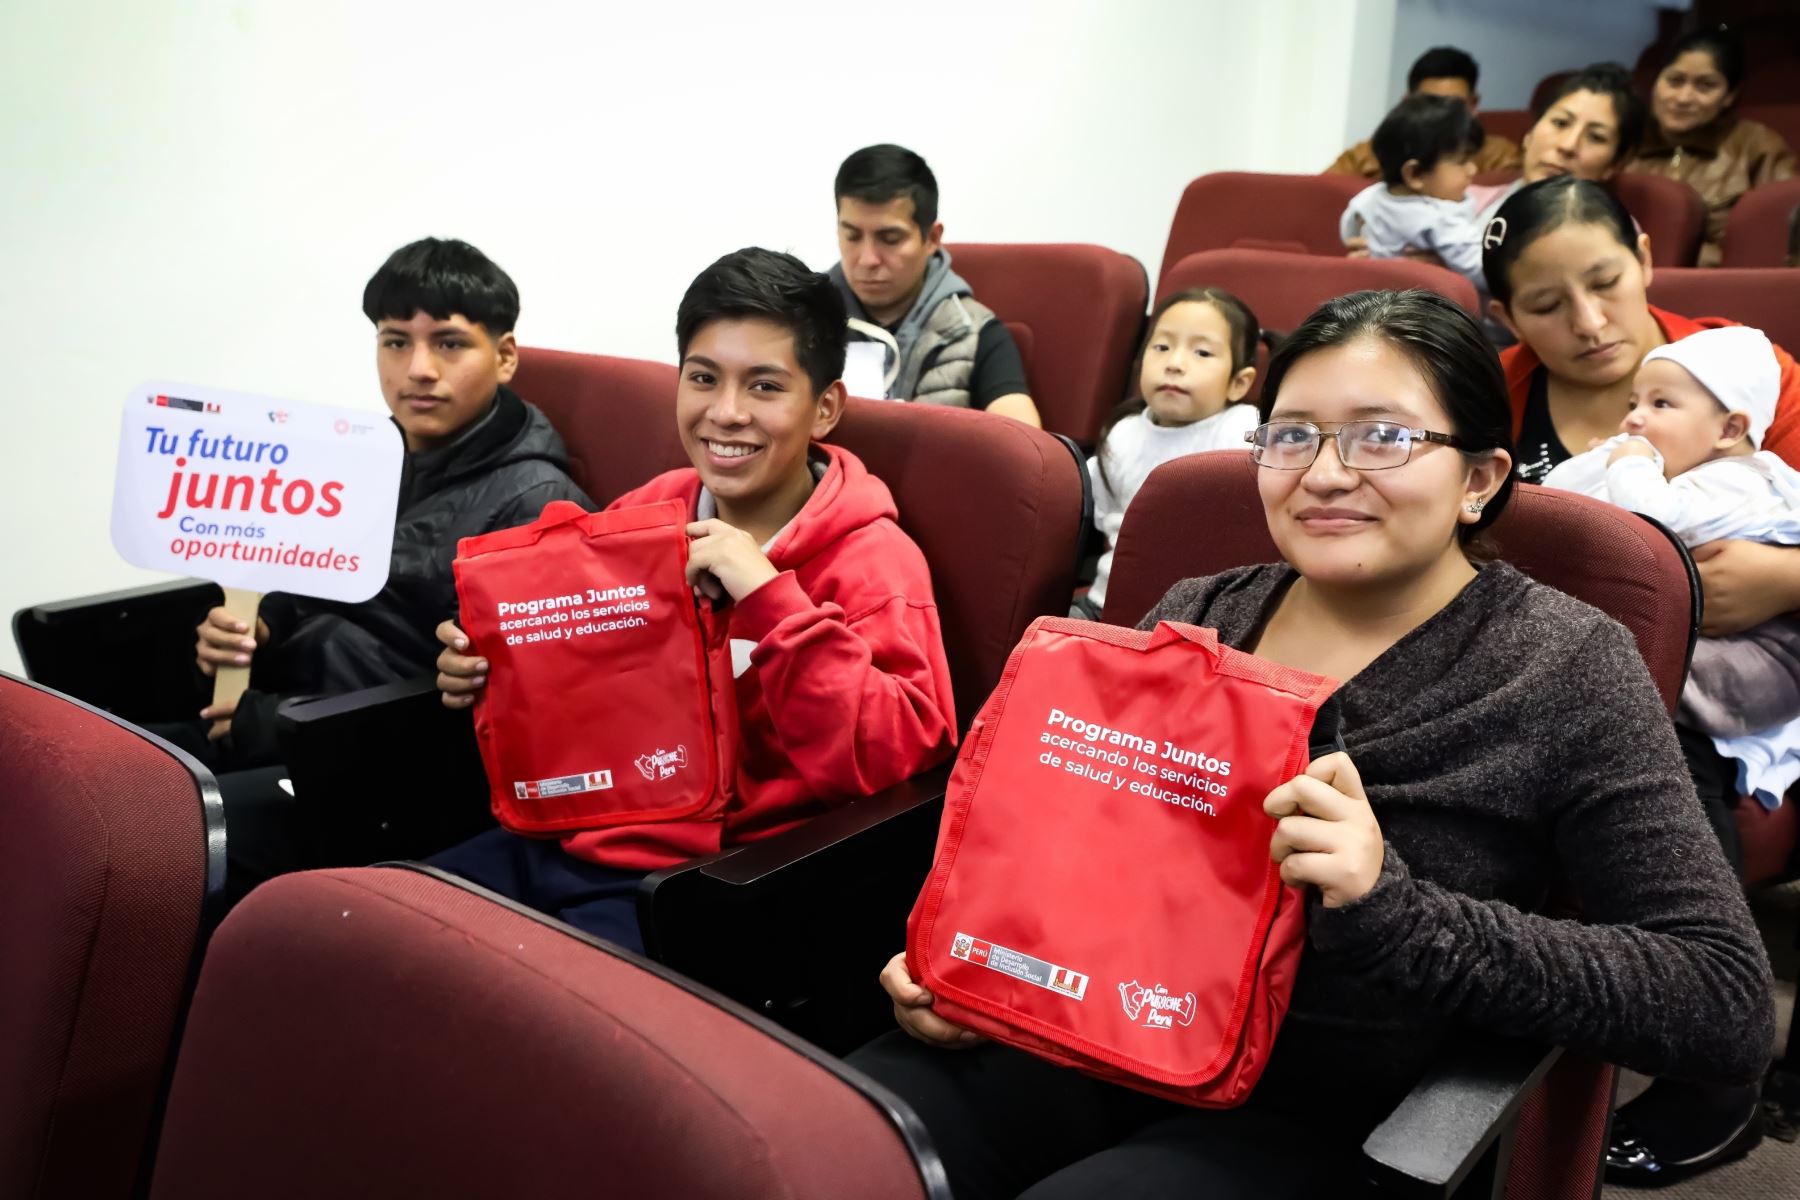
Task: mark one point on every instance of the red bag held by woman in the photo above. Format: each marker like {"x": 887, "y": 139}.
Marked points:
{"x": 601, "y": 706}
{"x": 1102, "y": 894}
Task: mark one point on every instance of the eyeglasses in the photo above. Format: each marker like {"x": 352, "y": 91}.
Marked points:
{"x": 1361, "y": 445}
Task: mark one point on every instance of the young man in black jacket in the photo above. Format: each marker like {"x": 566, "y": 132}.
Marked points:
{"x": 478, "y": 459}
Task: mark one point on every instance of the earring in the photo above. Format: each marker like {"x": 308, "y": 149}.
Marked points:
{"x": 1475, "y": 506}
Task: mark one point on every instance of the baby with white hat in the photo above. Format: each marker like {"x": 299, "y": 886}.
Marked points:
{"x": 1686, "y": 454}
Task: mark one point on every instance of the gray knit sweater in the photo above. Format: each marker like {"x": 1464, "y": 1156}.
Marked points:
{"x": 1511, "y": 745}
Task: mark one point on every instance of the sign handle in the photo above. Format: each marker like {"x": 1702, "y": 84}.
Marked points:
{"x": 229, "y": 682}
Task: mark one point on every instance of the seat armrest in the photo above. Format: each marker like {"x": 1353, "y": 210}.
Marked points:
{"x": 797, "y": 925}
{"x": 384, "y": 772}
{"x": 1455, "y": 1126}
{"x": 863, "y": 818}
{"x": 129, "y": 652}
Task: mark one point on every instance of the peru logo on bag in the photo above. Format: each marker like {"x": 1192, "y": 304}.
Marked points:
{"x": 1102, "y": 894}
{"x": 600, "y": 708}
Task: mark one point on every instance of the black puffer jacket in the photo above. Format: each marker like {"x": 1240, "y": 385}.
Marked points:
{"x": 501, "y": 472}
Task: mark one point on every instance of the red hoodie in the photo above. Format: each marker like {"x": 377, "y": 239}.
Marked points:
{"x": 847, "y": 691}
{"x": 1521, "y": 362}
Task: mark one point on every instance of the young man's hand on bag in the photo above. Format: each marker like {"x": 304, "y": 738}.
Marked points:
{"x": 724, "y": 556}
{"x": 460, "y": 674}
{"x": 912, "y": 1009}
{"x": 1326, "y": 834}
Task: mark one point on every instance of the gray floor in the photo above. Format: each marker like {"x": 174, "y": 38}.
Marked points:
{"x": 1772, "y": 1171}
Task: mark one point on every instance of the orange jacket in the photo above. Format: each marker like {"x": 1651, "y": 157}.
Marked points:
{"x": 1520, "y": 362}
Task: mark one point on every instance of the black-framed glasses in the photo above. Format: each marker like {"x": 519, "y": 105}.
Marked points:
{"x": 1361, "y": 445}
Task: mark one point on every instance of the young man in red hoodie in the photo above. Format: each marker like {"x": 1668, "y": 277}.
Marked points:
{"x": 842, "y": 686}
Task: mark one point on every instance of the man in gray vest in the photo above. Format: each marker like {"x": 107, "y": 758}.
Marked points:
{"x": 916, "y": 332}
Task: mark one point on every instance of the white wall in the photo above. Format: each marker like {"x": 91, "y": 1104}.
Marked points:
{"x": 197, "y": 190}
{"x": 1518, "y": 42}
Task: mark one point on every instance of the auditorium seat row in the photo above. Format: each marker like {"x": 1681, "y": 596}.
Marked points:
{"x": 348, "y": 962}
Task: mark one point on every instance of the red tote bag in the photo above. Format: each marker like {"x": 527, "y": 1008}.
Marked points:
{"x": 601, "y": 706}
{"x": 1102, "y": 894}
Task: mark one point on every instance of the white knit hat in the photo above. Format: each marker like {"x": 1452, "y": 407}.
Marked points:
{"x": 1737, "y": 365}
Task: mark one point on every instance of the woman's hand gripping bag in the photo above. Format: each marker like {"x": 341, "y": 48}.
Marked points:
{"x": 1102, "y": 894}
{"x": 609, "y": 698}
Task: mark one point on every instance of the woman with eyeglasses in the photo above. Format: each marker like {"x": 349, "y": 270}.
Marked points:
{"x": 1500, "y": 736}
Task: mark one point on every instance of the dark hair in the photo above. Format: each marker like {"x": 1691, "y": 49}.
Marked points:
{"x": 1724, "y": 46}
{"x": 443, "y": 277}
{"x": 1446, "y": 346}
{"x": 1613, "y": 81}
{"x": 1538, "y": 208}
{"x": 762, "y": 284}
{"x": 1245, "y": 334}
{"x": 877, "y": 174}
{"x": 1443, "y": 62}
{"x": 1426, "y": 129}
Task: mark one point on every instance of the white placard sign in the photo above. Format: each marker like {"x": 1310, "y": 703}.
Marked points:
{"x": 258, "y": 494}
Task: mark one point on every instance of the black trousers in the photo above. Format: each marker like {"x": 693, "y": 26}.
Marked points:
{"x": 1007, "y": 1124}
{"x": 535, "y": 871}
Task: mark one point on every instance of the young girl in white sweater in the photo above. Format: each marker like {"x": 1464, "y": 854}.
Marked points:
{"x": 1197, "y": 363}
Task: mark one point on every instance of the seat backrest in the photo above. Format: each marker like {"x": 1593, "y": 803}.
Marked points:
{"x": 615, "y": 415}
{"x": 1614, "y": 560}
{"x": 1783, "y": 117}
{"x": 110, "y": 865}
{"x": 1758, "y": 230}
{"x": 1766, "y": 299}
{"x": 1671, "y": 212}
{"x": 1283, "y": 289}
{"x": 1082, "y": 307}
{"x": 406, "y": 1034}
{"x": 1510, "y": 123}
{"x": 998, "y": 510}
{"x": 1297, "y": 213}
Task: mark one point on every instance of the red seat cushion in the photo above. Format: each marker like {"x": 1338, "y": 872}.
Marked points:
{"x": 385, "y": 1033}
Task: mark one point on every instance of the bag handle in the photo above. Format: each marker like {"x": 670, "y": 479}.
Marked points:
{"x": 559, "y": 514}
{"x": 1167, "y": 633}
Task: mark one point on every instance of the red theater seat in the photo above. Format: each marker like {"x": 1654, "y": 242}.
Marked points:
{"x": 110, "y": 865}
{"x": 1614, "y": 560}
{"x": 1283, "y": 289}
{"x": 1767, "y": 299}
{"x": 1240, "y": 209}
{"x": 1761, "y": 223}
{"x": 392, "y": 1032}
{"x": 1080, "y": 309}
